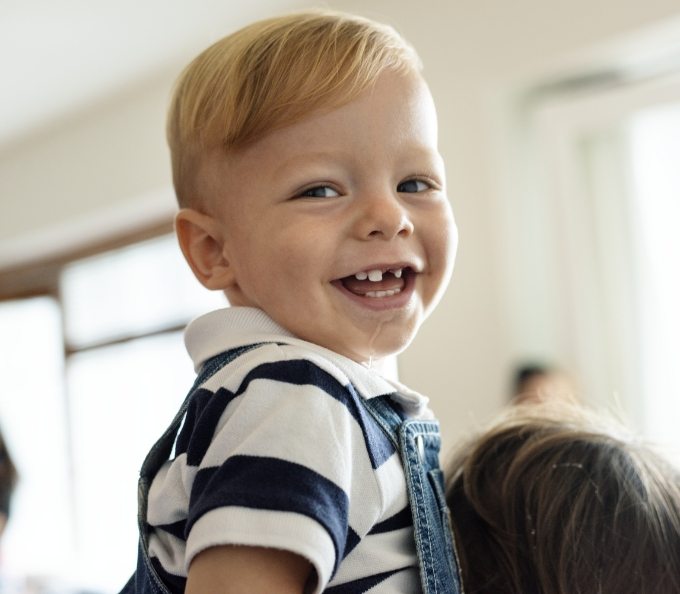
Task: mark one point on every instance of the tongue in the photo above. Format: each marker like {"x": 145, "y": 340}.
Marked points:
{"x": 361, "y": 287}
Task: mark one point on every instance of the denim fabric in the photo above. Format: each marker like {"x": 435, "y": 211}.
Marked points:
{"x": 418, "y": 443}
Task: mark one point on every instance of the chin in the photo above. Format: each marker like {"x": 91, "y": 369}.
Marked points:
{"x": 363, "y": 348}
{"x": 384, "y": 350}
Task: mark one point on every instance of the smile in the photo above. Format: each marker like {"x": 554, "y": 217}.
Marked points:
{"x": 389, "y": 287}
{"x": 376, "y": 283}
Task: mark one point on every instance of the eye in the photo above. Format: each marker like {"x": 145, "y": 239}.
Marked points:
{"x": 319, "y": 192}
{"x": 413, "y": 186}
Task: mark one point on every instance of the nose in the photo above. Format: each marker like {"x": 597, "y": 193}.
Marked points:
{"x": 383, "y": 216}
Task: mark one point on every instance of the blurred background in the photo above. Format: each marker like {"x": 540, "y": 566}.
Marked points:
{"x": 560, "y": 127}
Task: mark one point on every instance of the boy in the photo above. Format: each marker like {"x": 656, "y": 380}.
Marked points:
{"x": 305, "y": 162}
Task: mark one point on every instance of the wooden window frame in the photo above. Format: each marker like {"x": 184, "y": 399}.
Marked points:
{"x": 41, "y": 276}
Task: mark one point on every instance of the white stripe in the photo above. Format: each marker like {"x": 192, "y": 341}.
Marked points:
{"x": 390, "y": 476}
{"x": 404, "y": 582}
{"x": 170, "y": 552}
{"x": 309, "y": 427}
{"x": 378, "y": 553}
{"x": 169, "y": 492}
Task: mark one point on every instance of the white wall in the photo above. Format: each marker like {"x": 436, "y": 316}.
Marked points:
{"x": 56, "y": 181}
{"x": 474, "y": 53}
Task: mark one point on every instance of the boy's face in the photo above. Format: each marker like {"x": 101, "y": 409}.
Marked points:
{"x": 339, "y": 226}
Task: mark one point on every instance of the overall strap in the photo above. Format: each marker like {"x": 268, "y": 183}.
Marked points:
{"x": 385, "y": 414}
{"x": 418, "y": 443}
{"x": 160, "y": 452}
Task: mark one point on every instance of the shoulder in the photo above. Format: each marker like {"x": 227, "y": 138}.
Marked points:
{"x": 274, "y": 377}
{"x": 276, "y": 391}
{"x": 269, "y": 392}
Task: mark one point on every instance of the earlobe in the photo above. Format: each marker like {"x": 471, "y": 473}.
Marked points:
{"x": 202, "y": 243}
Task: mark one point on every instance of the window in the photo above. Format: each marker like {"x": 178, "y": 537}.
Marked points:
{"x": 39, "y": 538}
{"x": 600, "y": 196}
{"x": 654, "y": 144}
{"x": 88, "y": 382}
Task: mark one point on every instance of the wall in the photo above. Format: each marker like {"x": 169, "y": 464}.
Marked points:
{"x": 474, "y": 52}
{"x": 57, "y": 182}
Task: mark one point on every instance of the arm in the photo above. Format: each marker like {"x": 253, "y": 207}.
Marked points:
{"x": 251, "y": 570}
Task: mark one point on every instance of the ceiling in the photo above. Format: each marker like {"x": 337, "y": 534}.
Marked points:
{"x": 58, "y": 56}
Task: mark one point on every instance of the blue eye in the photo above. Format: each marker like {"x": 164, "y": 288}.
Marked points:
{"x": 413, "y": 186}
{"x": 319, "y": 192}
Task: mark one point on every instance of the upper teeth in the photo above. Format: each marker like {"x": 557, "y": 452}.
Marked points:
{"x": 376, "y": 275}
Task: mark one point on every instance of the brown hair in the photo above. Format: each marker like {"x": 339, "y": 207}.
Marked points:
{"x": 557, "y": 500}
{"x": 270, "y": 74}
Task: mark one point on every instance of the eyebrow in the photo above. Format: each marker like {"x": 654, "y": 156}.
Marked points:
{"x": 317, "y": 157}
{"x": 416, "y": 151}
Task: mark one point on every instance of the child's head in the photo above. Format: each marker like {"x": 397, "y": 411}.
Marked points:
{"x": 305, "y": 158}
{"x": 267, "y": 76}
{"x": 555, "y": 500}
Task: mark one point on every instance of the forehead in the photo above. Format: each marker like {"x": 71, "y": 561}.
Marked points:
{"x": 394, "y": 119}
{"x": 397, "y": 108}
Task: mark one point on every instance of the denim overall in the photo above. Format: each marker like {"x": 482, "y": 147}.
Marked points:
{"x": 418, "y": 443}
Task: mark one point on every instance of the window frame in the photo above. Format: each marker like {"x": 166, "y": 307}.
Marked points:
{"x": 544, "y": 191}
{"x": 40, "y": 277}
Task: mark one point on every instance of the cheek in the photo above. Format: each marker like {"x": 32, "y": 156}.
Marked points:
{"x": 293, "y": 262}
{"x": 280, "y": 266}
{"x": 305, "y": 248}
{"x": 441, "y": 236}
{"x": 441, "y": 247}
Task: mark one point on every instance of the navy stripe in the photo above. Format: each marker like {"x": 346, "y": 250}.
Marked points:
{"x": 199, "y": 396}
{"x": 353, "y": 539}
{"x": 272, "y": 484}
{"x": 205, "y": 409}
{"x": 203, "y": 414}
{"x": 177, "y": 529}
{"x": 361, "y": 585}
{"x": 175, "y": 583}
{"x": 380, "y": 448}
{"x": 301, "y": 372}
{"x": 402, "y": 519}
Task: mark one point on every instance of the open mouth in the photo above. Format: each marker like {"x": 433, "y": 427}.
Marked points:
{"x": 377, "y": 283}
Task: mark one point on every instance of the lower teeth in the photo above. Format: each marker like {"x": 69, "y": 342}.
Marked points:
{"x": 382, "y": 293}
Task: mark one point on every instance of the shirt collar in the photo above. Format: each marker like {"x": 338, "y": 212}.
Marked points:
{"x": 232, "y": 327}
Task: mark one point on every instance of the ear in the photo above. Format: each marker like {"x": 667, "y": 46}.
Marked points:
{"x": 202, "y": 243}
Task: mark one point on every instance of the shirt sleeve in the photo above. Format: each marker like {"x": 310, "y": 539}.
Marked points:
{"x": 279, "y": 464}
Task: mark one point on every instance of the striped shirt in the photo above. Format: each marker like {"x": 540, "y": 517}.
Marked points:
{"x": 276, "y": 450}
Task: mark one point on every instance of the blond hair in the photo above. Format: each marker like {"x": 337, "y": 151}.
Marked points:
{"x": 556, "y": 500}
{"x": 271, "y": 74}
